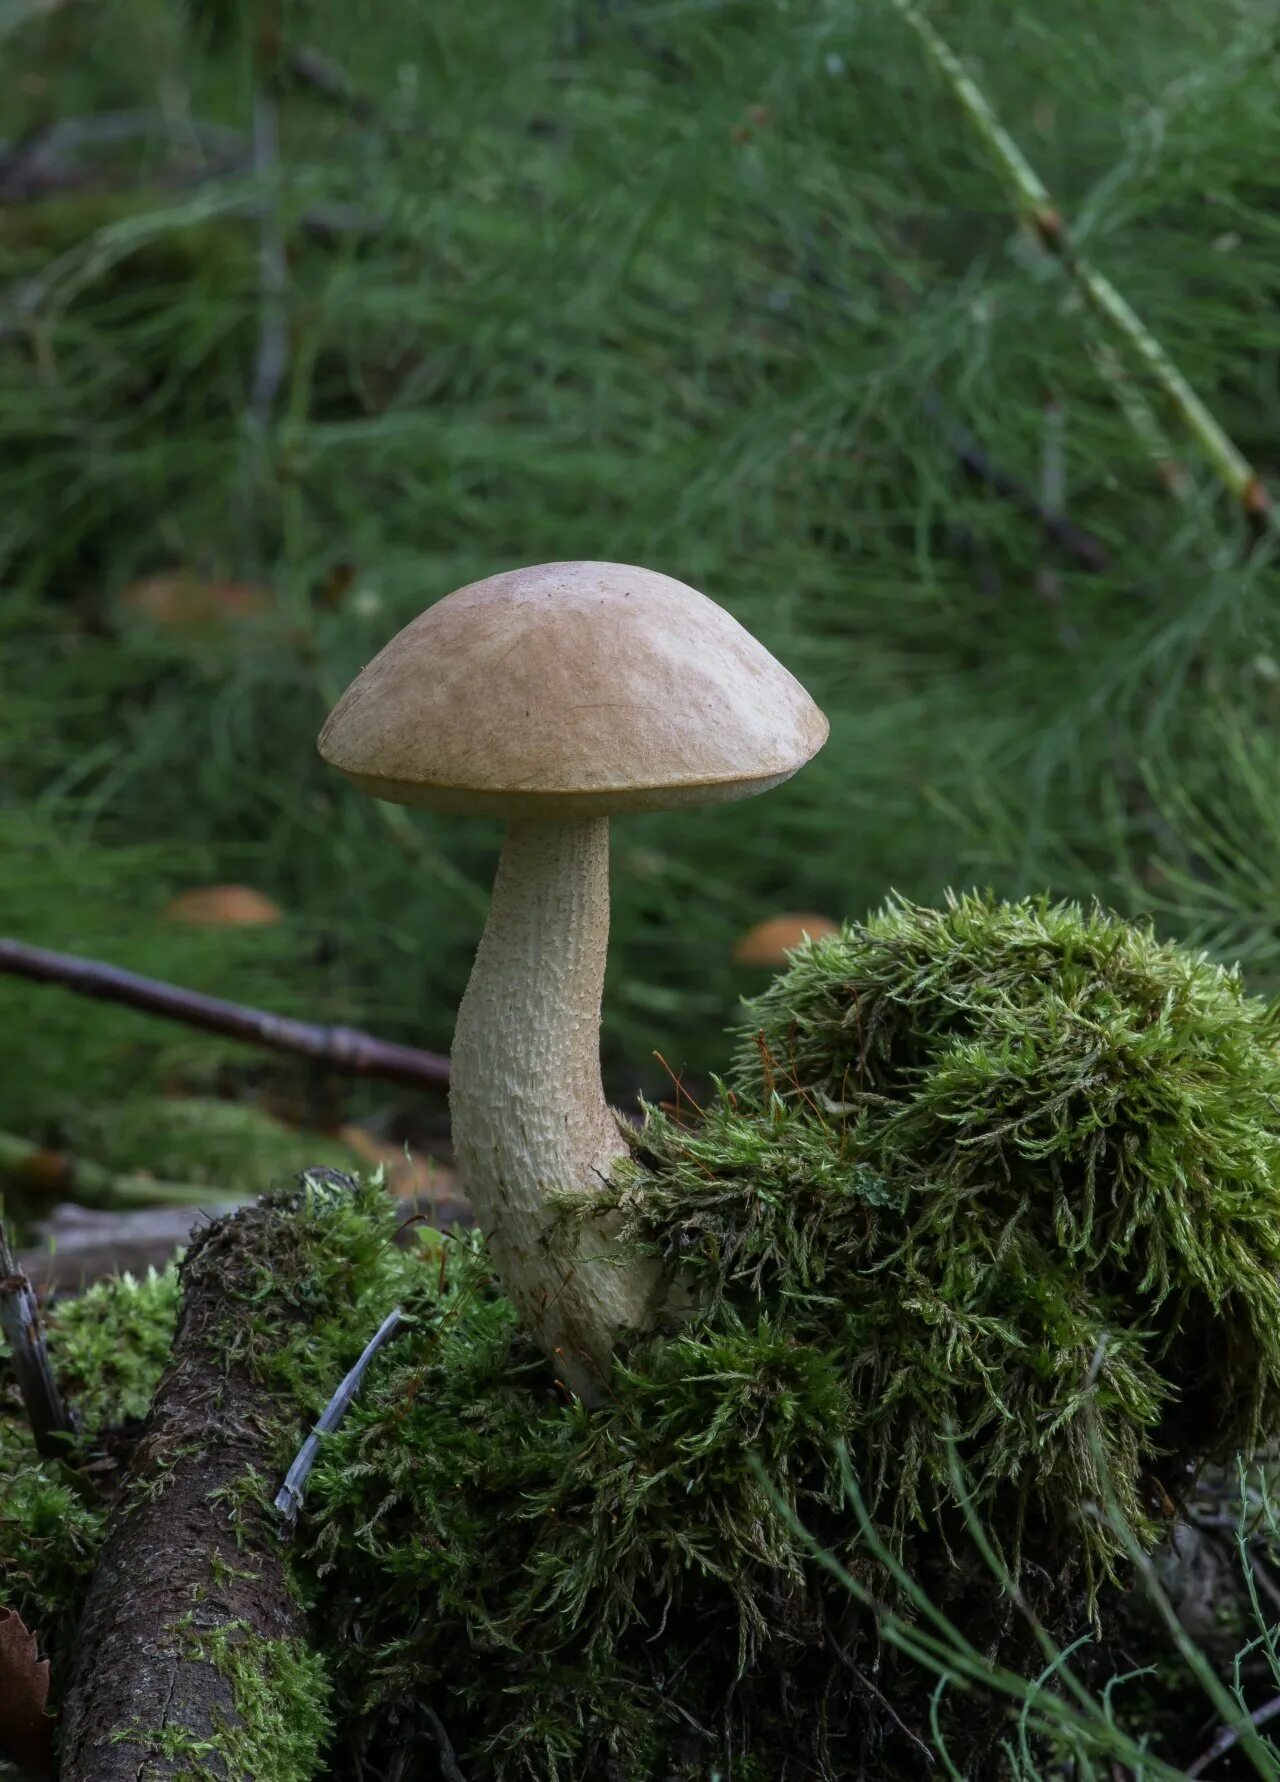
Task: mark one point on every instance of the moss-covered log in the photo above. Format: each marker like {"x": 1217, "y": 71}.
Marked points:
{"x": 191, "y": 1658}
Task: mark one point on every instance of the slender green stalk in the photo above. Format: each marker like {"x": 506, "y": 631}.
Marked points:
{"x": 1142, "y": 418}
{"x": 1035, "y": 207}
{"x": 1233, "y": 1712}
{"x": 952, "y": 1657}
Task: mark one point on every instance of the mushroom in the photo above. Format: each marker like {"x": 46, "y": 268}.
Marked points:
{"x": 770, "y": 941}
{"x": 553, "y": 698}
{"x": 222, "y": 906}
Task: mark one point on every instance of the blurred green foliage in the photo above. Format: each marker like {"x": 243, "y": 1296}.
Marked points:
{"x": 704, "y": 286}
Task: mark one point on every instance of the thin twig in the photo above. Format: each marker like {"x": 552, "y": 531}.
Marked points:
{"x": 1082, "y": 547}
{"x": 1230, "y": 1737}
{"x": 1035, "y": 207}
{"x": 288, "y": 1500}
{"x": 325, "y": 77}
{"x": 273, "y": 272}
{"x": 58, "y": 1175}
{"x": 343, "y": 1049}
{"x": 866, "y": 1683}
{"x": 53, "y": 159}
{"x": 448, "y": 1760}
{"x": 51, "y": 1423}
{"x": 330, "y": 222}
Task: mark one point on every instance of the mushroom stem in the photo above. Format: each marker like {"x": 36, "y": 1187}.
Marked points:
{"x": 530, "y": 1121}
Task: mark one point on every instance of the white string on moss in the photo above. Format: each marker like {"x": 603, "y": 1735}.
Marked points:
{"x": 288, "y": 1500}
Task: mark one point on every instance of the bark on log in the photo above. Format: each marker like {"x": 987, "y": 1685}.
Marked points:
{"x": 182, "y": 1568}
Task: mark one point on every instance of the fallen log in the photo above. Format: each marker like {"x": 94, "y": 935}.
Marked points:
{"x": 76, "y": 1246}
{"x": 35, "y": 1169}
{"x": 191, "y": 1657}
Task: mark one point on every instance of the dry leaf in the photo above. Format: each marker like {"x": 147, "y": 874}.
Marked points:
{"x": 769, "y": 942}
{"x": 221, "y": 906}
{"x": 406, "y": 1176}
{"x": 26, "y": 1731}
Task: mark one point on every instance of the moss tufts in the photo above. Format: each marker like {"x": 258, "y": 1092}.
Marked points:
{"x": 1083, "y": 1120}
{"x": 111, "y": 1344}
{"x": 996, "y": 1176}
{"x": 999, "y": 1174}
{"x": 109, "y": 1348}
{"x": 279, "y": 1689}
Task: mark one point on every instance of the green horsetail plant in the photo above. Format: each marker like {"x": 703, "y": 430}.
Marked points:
{"x": 1036, "y": 208}
{"x": 1055, "y": 1718}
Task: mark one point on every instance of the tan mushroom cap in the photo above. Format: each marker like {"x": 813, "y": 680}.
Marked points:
{"x": 575, "y": 690}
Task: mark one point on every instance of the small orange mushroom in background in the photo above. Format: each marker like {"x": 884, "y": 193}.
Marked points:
{"x": 769, "y": 942}
{"x": 222, "y": 906}
{"x": 408, "y": 1176}
{"x": 177, "y": 599}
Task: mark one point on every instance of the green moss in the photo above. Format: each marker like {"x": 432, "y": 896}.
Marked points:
{"x": 109, "y": 1346}
{"x": 279, "y": 1689}
{"x": 992, "y": 1176}
{"x": 1083, "y": 1122}
{"x": 982, "y": 1175}
{"x": 279, "y": 1720}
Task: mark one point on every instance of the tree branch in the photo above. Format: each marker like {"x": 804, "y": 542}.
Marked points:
{"x": 77, "y": 1246}
{"x": 343, "y": 1049}
{"x": 1082, "y": 547}
{"x": 331, "y": 81}
{"x": 54, "y": 159}
{"x": 55, "y": 1173}
{"x": 1230, "y": 1736}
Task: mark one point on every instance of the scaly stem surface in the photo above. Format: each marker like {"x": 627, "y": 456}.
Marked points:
{"x": 530, "y": 1122}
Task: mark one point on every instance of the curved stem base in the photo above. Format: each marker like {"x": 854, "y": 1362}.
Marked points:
{"x": 530, "y": 1121}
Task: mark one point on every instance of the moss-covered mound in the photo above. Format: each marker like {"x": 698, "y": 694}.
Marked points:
{"x": 1007, "y": 1176}
{"x": 1007, "y": 1173}
{"x": 1083, "y": 1127}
